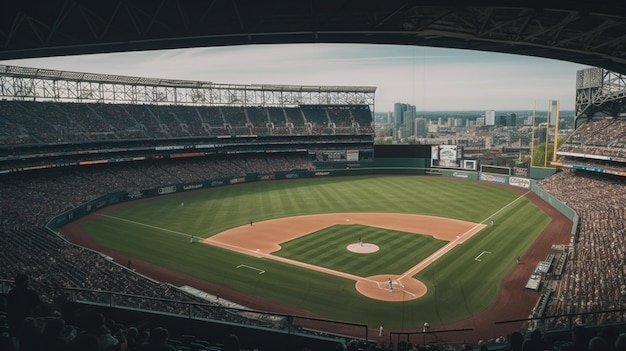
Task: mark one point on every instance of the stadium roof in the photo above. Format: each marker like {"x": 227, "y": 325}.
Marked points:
{"x": 586, "y": 32}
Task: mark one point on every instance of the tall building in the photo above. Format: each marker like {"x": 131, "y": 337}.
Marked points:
{"x": 399, "y": 113}
{"x": 501, "y": 120}
{"x": 511, "y": 121}
{"x": 404, "y": 115}
{"x": 421, "y": 127}
{"x": 490, "y": 117}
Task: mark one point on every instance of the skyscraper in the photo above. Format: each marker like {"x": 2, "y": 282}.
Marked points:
{"x": 511, "y": 120}
{"x": 421, "y": 127}
{"x": 404, "y": 115}
{"x": 490, "y": 117}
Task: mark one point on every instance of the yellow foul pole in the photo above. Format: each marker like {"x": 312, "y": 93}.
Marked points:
{"x": 545, "y": 152}
{"x": 556, "y": 129}
{"x": 532, "y": 134}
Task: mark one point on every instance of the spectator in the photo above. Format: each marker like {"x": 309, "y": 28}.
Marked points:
{"x": 22, "y": 302}
{"x": 231, "y": 343}
{"x": 598, "y": 344}
{"x": 158, "y": 341}
{"x": 620, "y": 343}
{"x": 96, "y": 325}
{"x": 535, "y": 342}
{"x": 54, "y": 338}
{"x": 515, "y": 341}
{"x": 85, "y": 342}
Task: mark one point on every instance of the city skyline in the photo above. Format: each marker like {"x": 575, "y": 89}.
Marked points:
{"x": 432, "y": 79}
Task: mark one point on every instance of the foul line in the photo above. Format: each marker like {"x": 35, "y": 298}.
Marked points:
{"x": 449, "y": 246}
{"x": 507, "y": 205}
{"x": 148, "y": 225}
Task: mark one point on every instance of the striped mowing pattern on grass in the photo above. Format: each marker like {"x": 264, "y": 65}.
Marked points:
{"x": 398, "y": 252}
{"x": 458, "y": 286}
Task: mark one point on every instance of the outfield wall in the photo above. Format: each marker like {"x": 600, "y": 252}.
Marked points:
{"x": 560, "y": 206}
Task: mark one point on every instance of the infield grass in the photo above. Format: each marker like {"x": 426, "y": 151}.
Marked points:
{"x": 398, "y": 251}
{"x": 458, "y": 285}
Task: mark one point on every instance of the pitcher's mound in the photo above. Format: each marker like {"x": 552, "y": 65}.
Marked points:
{"x": 363, "y": 248}
{"x": 377, "y": 287}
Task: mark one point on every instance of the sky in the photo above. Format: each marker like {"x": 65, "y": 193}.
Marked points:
{"x": 432, "y": 79}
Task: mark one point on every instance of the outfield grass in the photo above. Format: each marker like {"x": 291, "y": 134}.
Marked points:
{"x": 458, "y": 286}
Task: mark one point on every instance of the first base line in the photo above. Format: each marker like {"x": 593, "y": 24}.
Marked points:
{"x": 249, "y": 267}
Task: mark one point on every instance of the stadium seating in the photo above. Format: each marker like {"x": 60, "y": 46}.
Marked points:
{"x": 28, "y": 122}
{"x": 593, "y": 279}
{"x": 30, "y": 199}
{"x": 606, "y": 137}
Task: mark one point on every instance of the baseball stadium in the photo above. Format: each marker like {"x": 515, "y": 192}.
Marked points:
{"x": 267, "y": 213}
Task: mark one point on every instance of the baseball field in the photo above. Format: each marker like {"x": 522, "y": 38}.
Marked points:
{"x": 398, "y": 250}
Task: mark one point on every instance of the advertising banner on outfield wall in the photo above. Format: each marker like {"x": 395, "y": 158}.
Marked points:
{"x": 520, "y": 182}
{"x": 266, "y": 177}
{"x": 237, "y": 180}
{"x": 193, "y": 186}
{"x": 217, "y": 182}
{"x": 166, "y": 189}
{"x": 459, "y": 174}
{"x": 493, "y": 178}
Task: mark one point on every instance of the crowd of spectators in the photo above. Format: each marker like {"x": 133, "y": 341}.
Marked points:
{"x": 46, "y": 122}
{"x": 595, "y": 275}
{"x": 35, "y": 327}
{"x": 56, "y": 266}
{"x": 60, "y": 272}
{"x": 605, "y": 137}
{"x": 31, "y": 198}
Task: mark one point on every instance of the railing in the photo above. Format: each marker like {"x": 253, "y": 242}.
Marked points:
{"x": 566, "y": 322}
{"x": 425, "y": 337}
{"x": 289, "y": 324}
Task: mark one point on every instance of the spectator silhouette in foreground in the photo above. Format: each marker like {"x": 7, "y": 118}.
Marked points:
{"x": 231, "y": 343}
{"x": 96, "y": 326}
{"x": 158, "y": 341}
{"x": 22, "y": 302}
{"x": 620, "y": 343}
{"x": 516, "y": 339}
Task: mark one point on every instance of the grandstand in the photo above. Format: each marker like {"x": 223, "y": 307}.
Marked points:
{"x": 592, "y": 181}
